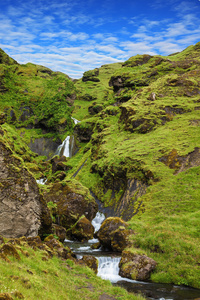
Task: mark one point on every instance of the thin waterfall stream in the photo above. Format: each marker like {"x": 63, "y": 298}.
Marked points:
{"x": 67, "y": 146}
{"x": 109, "y": 261}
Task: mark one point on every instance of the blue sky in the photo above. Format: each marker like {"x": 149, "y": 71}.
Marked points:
{"x": 74, "y": 36}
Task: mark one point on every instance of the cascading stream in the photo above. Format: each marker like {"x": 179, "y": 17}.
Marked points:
{"x": 109, "y": 262}
{"x": 67, "y": 146}
{"x": 109, "y": 269}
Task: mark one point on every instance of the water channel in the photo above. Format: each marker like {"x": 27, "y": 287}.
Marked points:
{"x": 109, "y": 261}
{"x": 109, "y": 269}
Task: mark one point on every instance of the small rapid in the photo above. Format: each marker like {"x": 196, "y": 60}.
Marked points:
{"x": 108, "y": 269}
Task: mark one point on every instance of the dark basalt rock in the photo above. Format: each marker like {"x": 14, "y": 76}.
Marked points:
{"x": 44, "y": 146}
{"x": 60, "y": 232}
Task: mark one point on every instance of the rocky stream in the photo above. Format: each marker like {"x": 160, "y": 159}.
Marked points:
{"x": 108, "y": 262}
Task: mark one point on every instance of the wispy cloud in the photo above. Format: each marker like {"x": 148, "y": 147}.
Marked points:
{"x": 64, "y": 37}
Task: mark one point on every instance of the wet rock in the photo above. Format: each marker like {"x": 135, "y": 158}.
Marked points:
{"x": 91, "y": 262}
{"x": 44, "y": 146}
{"x": 82, "y": 231}
{"x": 135, "y": 266}
{"x": 113, "y": 234}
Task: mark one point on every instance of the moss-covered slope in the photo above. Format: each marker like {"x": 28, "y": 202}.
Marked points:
{"x": 143, "y": 154}
{"x": 139, "y": 141}
{"x": 33, "y": 96}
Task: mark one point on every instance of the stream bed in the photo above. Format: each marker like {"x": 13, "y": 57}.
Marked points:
{"x": 109, "y": 269}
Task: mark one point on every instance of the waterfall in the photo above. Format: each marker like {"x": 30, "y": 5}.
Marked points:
{"x": 109, "y": 268}
{"x": 97, "y": 221}
{"x": 67, "y": 146}
{"x": 41, "y": 181}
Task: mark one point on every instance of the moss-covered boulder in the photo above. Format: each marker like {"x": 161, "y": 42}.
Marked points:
{"x": 82, "y": 231}
{"x": 59, "y": 164}
{"x": 72, "y": 201}
{"x": 136, "y": 266}
{"x": 91, "y": 262}
{"x": 113, "y": 234}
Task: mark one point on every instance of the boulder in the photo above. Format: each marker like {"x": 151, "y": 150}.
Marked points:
{"x": 71, "y": 203}
{"x": 91, "y": 262}
{"x": 136, "y": 266}
{"x": 113, "y": 234}
{"x": 20, "y": 206}
{"x": 82, "y": 231}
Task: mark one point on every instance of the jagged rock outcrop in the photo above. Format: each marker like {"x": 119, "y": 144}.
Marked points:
{"x": 20, "y": 206}
{"x": 113, "y": 234}
{"x": 136, "y": 266}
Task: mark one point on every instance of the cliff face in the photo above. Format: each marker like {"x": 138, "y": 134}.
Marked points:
{"x": 20, "y": 208}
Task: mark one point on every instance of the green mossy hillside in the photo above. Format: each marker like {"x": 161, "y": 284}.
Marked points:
{"x": 33, "y": 96}
{"x": 139, "y": 145}
{"x": 36, "y": 274}
{"x": 143, "y": 155}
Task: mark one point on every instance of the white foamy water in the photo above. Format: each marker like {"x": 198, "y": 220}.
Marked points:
{"x": 75, "y": 121}
{"x": 66, "y": 148}
{"x": 109, "y": 268}
{"x": 41, "y": 181}
{"x": 97, "y": 221}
